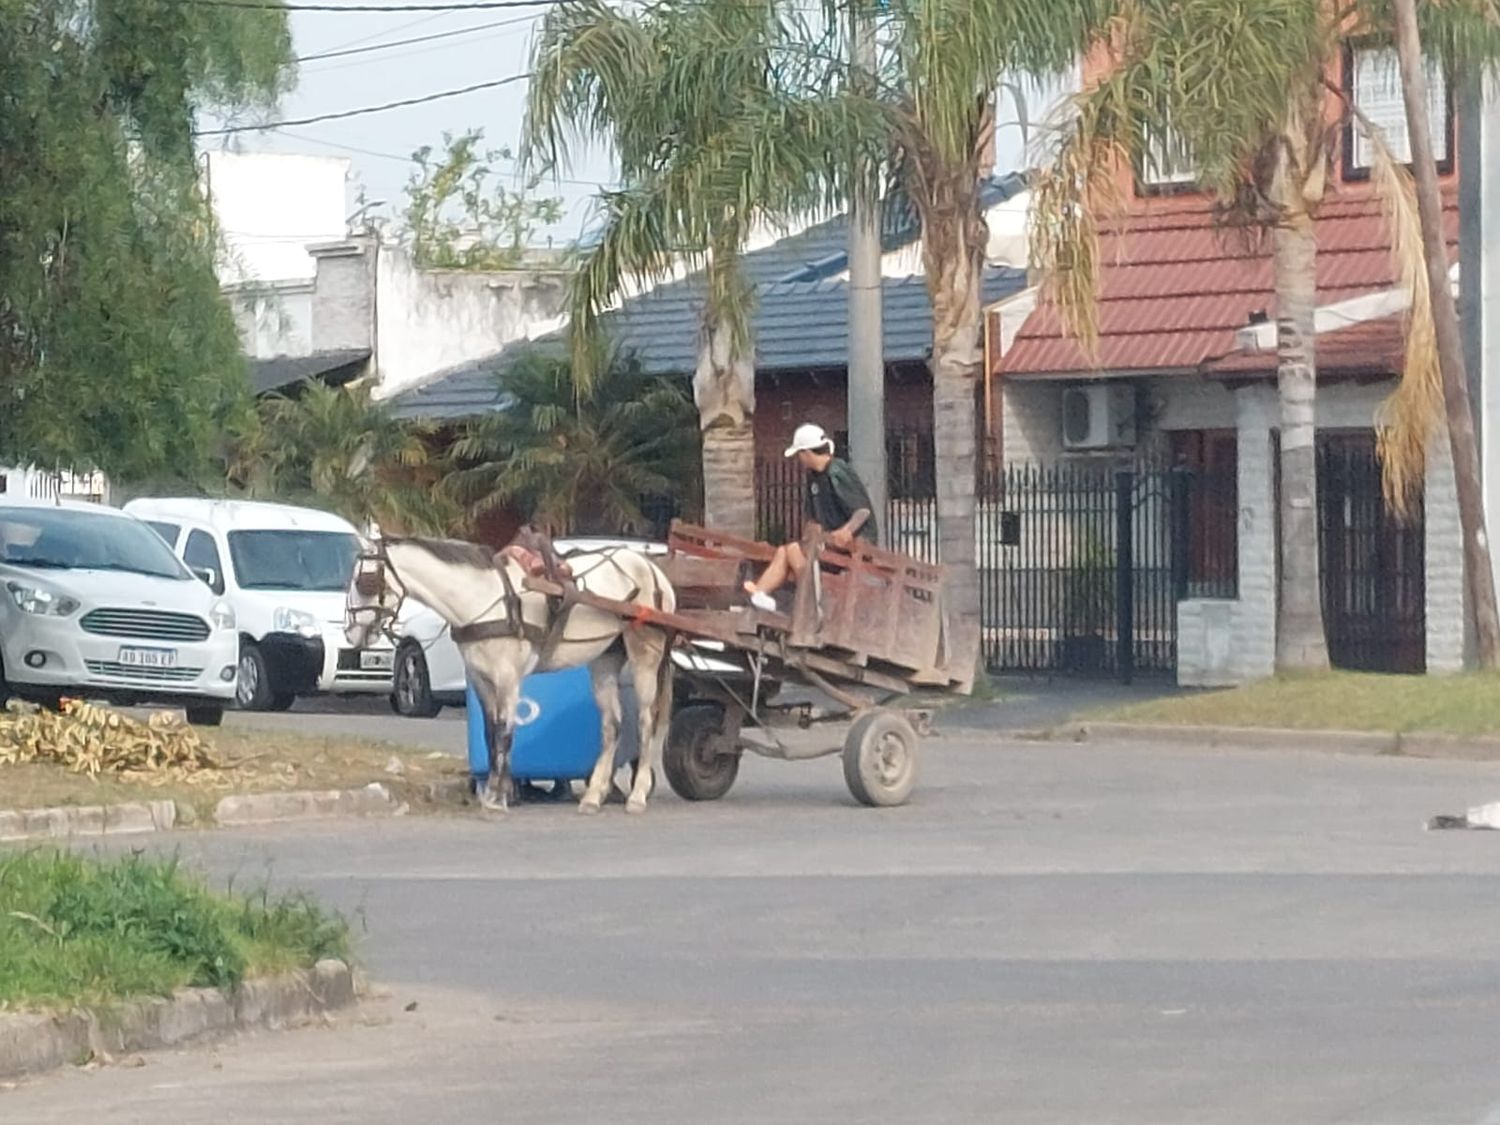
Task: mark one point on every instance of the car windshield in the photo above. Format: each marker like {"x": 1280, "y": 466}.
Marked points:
{"x": 292, "y": 560}
{"x": 68, "y": 539}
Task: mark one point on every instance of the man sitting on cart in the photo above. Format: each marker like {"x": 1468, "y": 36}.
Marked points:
{"x": 835, "y": 498}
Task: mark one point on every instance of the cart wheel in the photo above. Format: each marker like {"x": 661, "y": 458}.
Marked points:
{"x": 698, "y": 762}
{"x": 880, "y": 759}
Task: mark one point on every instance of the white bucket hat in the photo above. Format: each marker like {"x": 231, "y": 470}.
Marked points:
{"x": 809, "y": 438}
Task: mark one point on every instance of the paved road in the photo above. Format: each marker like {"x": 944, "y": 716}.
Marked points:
{"x": 1026, "y": 704}
{"x": 1048, "y": 934}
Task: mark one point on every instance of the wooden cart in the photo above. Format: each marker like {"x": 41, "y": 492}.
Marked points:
{"x": 865, "y": 626}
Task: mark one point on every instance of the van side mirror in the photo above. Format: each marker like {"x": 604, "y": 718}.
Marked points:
{"x": 209, "y": 577}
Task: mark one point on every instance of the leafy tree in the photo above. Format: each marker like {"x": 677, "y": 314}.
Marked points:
{"x": 458, "y": 217}
{"x": 338, "y": 448}
{"x": 116, "y": 349}
{"x": 705, "y": 105}
{"x": 581, "y": 458}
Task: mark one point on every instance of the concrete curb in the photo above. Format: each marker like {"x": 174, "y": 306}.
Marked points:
{"x": 269, "y": 808}
{"x": 32, "y": 1043}
{"x": 87, "y": 820}
{"x": 1363, "y": 743}
{"x": 374, "y": 800}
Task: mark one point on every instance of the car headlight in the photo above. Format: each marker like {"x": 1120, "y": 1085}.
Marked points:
{"x": 32, "y": 599}
{"x": 299, "y": 621}
{"x": 222, "y": 616}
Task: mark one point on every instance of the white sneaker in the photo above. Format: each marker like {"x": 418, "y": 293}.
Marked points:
{"x": 763, "y": 601}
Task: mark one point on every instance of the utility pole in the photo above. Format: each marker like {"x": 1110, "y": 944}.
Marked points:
{"x": 1479, "y": 268}
{"x": 866, "y": 382}
{"x": 1479, "y": 574}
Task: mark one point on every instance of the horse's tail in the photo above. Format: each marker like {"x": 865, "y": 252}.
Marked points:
{"x": 661, "y": 711}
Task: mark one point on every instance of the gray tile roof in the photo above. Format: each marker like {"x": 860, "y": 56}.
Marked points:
{"x": 283, "y": 371}
{"x": 801, "y": 318}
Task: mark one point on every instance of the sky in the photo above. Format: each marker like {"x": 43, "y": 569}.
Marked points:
{"x": 492, "y": 44}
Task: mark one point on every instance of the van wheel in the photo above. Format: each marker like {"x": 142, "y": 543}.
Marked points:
{"x": 252, "y": 689}
{"x": 411, "y": 687}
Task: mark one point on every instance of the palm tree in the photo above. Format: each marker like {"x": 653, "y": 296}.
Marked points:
{"x": 581, "y": 458}
{"x": 935, "y": 104}
{"x": 337, "y": 447}
{"x": 1241, "y": 85}
{"x": 698, "y": 100}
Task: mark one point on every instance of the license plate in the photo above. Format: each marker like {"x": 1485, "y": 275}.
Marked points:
{"x": 148, "y": 658}
{"x": 378, "y": 661}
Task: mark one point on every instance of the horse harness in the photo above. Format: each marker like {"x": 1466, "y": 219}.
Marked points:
{"x": 513, "y": 625}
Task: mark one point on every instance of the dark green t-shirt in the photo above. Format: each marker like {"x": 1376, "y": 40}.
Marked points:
{"x": 835, "y": 494}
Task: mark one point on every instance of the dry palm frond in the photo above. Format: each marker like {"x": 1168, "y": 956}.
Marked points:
{"x": 1409, "y": 420}
{"x": 86, "y": 738}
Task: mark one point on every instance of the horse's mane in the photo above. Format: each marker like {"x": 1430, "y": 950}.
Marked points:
{"x": 454, "y": 551}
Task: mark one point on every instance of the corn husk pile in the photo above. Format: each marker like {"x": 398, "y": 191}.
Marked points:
{"x": 89, "y": 739}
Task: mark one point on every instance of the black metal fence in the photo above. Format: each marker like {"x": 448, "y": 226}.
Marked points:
{"x": 1081, "y": 564}
{"x": 1373, "y": 565}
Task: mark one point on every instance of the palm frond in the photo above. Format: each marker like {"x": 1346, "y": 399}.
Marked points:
{"x": 1412, "y": 416}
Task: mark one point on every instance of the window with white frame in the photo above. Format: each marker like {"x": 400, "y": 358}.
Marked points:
{"x": 1167, "y": 160}
{"x": 1373, "y": 84}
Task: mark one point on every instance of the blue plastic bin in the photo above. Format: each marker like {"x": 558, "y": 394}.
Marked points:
{"x": 557, "y": 729}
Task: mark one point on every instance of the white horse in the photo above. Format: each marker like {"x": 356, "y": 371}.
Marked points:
{"x": 505, "y": 632}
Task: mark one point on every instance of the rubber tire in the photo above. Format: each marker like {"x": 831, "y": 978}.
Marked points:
{"x": 693, "y": 775}
{"x": 205, "y": 715}
{"x": 259, "y": 688}
{"x": 412, "y": 665}
{"x": 872, "y": 732}
{"x": 281, "y": 701}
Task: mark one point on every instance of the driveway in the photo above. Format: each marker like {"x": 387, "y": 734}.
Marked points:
{"x": 1048, "y": 934}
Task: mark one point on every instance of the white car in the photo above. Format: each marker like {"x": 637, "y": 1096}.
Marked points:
{"x": 95, "y": 606}
{"x": 429, "y": 672}
{"x": 286, "y": 572}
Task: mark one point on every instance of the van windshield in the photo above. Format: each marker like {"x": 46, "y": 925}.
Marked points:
{"x": 293, "y": 560}
{"x": 68, "y": 539}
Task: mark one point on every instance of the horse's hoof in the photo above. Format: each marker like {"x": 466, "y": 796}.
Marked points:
{"x": 490, "y": 803}
{"x": 635, "y": 806}
{"x": 587, "y": 807}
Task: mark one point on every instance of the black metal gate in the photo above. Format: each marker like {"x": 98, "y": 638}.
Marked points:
{"x": 1081, "y": 564}
{"x": 1373, "y": 565}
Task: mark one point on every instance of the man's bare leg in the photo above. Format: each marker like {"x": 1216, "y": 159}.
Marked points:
{"x": 789, "y": 561}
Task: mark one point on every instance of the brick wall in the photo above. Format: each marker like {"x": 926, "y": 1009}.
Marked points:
{"x": 1445, "y": 565}
{"x": 784, "y": 400}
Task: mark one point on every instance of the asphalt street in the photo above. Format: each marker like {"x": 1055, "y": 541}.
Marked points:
{"x": 1048, "y": 933}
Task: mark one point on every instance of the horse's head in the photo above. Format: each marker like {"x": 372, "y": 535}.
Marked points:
{"x": 375, "y": 595}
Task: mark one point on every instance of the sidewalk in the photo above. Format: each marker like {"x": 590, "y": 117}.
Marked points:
{"x": 1037, "y": 703}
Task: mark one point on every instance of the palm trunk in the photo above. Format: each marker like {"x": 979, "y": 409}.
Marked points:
{"x": 953, "y": 266}
{"x": 1479, "y": 578}
{"x": 724, "y": 389}
{"x": 1300, "y": 640}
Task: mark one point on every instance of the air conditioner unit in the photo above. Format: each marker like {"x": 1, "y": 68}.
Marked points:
{"x": 1098, "y": 416}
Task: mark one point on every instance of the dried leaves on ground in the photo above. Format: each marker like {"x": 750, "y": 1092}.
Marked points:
{"x": 89, "y": 739}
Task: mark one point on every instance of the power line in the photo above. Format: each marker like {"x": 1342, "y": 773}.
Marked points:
{"x": 364, "y": 110}
{"x": 408, "y": 160}
{"x": 415, "y": 39}
{"x": 406, "y": 26}
{"x": 297, "y": 6}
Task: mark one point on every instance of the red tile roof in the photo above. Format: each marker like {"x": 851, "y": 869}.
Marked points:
{"x": 1370, "y": 347}
{"x": 1174, "y": 288}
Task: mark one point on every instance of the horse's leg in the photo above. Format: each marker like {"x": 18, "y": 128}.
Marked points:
{"x": 649, "y": 655}
{"x": 503, "y": 692}
{"x": 605, "y": 674}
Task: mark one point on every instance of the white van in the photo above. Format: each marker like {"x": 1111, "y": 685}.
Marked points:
{"x": 286, "y": 572}
{"x": 93, "y": 606}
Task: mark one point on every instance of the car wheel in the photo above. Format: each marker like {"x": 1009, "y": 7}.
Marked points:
{"x": 205, "y": 714}
{"x": 411, "y": 688}
{"x": 252, "y": 690}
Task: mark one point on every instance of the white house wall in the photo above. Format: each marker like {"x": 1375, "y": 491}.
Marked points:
{"x": 430, "y": 321}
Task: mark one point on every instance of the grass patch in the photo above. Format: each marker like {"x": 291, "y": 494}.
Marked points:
{"x": 80, "y": 930}
{"x": 1456, "y": 705}
{"x": 257, "y": 761}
